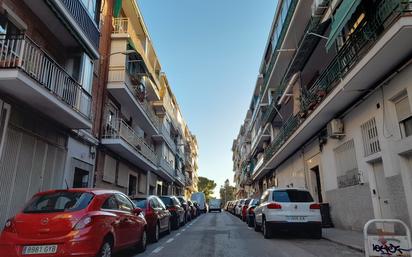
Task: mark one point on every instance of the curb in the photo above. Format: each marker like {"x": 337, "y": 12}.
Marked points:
{"x": 356, "y": 248}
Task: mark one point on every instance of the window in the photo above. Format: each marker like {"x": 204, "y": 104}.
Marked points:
{"x": 346, "y": 164}
{"x": 292, "y": 196}
{"x": 90, "y": 6}
{"x": 132, "y": 185}
{"x": 370, "y": 137}
{"x": 403, "y": 111}
{"x": 7, "y": 27}
{"x": 87, "y": 73}
{"x": 159, "y": 203}
{"x": 124, "y": 203}
{"x": 110, "y": 203}
{"x": 59, "y": 202}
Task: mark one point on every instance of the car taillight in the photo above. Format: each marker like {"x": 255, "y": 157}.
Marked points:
{"x": 10, "y": 226}
{"x": 314, "y": 206}
{"x": 172, "y": 209}
{"x": 251, "y": 210}
{"x": 83, "y": 222}
{"x": 274, "y": 206}
{"x": 149, "y": 211}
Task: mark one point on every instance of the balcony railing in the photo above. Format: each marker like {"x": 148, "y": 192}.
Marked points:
{"x": 353, "y": 50}
{"x": 166, "y": 135}
{"x": 275, "y": 53}
{"x": 350, "y": 53}
{"x": 18, "y": 51}
{"x": 121, "y": 130}
{"x": 167, "y": 165}
{"x": 83, "y": 19}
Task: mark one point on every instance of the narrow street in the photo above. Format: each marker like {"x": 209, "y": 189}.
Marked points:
{"x": 221, "y": 234}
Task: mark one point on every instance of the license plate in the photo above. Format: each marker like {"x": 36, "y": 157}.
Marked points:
{"x": 39, "y": 249}
{"x": 296, "y": 218}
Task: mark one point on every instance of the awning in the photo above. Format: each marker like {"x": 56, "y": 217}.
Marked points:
{"x": 342, "y": 15}
{"x": 117, "y": 8}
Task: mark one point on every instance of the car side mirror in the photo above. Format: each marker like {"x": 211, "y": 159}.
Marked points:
{"x": 137, "y": 211}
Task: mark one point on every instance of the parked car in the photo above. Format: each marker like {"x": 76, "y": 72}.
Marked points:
{"x": 215, "y": 205}
{"x": 185, "y": 206}
{"x": 238, "y": 208}
{"x": 243, "y": 208}
{"x": 250, "y": 212}
{"x": 287, "y": 209}
{"x": 75, "y": 221}
{"x": 176, "y": 210}
{"x": 200, "y": 198}
{"x": 156, "y": 214}
{"x": 196, "y": 205}
{"x": 193, "y": 211}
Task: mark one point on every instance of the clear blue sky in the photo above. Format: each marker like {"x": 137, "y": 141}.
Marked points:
{"x": 211, "y": 51}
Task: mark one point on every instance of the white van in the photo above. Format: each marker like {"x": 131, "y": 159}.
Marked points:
{"x": 200, "y": 198}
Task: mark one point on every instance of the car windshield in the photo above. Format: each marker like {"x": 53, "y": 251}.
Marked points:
{"x": 141, "y": 203}
{"x": 294, "y": 196}
{"x": 167, "y": 200}
{"x": 58, "y": 202}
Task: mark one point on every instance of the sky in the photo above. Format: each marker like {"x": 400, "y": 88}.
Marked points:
{"x": 211, "y": 51}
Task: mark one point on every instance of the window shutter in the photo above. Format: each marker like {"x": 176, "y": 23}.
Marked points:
{"x": 109, "y": 172}
{"x": 123, "y": 175}
{"x": 403, "y": 109}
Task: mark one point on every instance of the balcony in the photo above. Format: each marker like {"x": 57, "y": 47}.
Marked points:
{"x": 125, "y": 89}
{"x": 123, "y": 140}
{"x": 166, "y": 169}
{"x": 165, "y": 136}
{"x": 30, "y": 75}
{"x": 180, "y": 178}
{"x": 123, "y": 28}
{"x": 371, "y": 53}
{"x": 188, "y": 180}
{"x": 72, "y": 24}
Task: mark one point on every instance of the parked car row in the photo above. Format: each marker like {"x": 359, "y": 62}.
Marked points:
{"x": 280, "y": 210}
{"x": 91, "y": 222}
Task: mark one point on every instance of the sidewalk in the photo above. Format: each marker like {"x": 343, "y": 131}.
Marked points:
{"x": 352, "y": 239}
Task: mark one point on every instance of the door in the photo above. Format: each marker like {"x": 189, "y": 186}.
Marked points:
{"x": 315, "y": 183}
{"x": 162, "y": 214}
{"x": 132, "y": 229}
{"x": 380, "y": 192}
{"x": 259, "y": 208}
{"x": 111, "y": 205}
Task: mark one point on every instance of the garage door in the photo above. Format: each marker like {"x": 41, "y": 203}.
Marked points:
{"x": 28, "y": 165}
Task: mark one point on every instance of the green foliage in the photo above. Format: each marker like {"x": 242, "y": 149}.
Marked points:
{"x": 227, "y": 193}
{"x": 206, "y": 186}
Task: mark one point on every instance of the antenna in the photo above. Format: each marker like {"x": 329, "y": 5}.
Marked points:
{"x": 67, "y": 185}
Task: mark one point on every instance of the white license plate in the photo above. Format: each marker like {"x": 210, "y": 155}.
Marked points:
{"x": 39, "y": 249}
{"x": 296, "y": 218}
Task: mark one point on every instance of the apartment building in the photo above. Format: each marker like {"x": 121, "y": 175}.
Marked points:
{"x": 332, "y": 107}
{"x": 142, "y": 128}
{"x": 191, "y": 163}
{"x": 47, "y": 55}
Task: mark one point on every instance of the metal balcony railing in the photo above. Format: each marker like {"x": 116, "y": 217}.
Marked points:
{"x": 350, "y": 53}
{"x": 83, "y": 19}
{"x": 167, "y": 136}
{"x": 168, "y": 166}
{"x": 121, "y": 130}
{"x": 19, "y": 51}
{"x": 353, "y": 50}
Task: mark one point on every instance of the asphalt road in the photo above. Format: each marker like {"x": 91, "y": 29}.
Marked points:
{"x": 221, "y": 234}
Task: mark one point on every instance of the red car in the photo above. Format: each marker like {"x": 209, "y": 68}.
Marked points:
{"x": 244, "y": 209}
{"x": 74, "y": 222}
{"x": 157, "y": 216}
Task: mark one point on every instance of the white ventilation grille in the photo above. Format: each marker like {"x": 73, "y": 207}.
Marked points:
{"x": 370, "y": 137}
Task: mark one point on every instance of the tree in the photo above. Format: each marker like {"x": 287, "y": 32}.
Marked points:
{"x": 227, "y": 192}
{"x": 206, "y": 186}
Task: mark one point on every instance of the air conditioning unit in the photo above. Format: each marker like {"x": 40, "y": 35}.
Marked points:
{"x": 319, "y": 7}
{"x": 335, "y": 129}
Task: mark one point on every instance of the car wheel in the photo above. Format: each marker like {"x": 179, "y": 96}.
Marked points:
{"x": 177, "y": 223}
{"x": 157, "y": 232}
{"x": 141, "y": 247}
{"x": 266, "y": 230}
{"x": 256, "y": 226}
{"x": 106, "y": 249}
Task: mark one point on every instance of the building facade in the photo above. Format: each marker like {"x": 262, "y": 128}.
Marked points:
{"x": 142, "y": 143}
{"x": 46, "y": 97}
{"x": 332, "y": 108}
{"x": 83, "y": 103}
